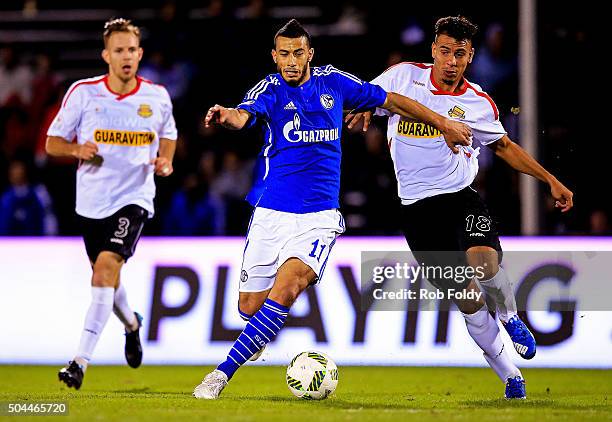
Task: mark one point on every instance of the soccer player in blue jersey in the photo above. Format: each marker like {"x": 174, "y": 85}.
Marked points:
{"x": 296, "y": 219}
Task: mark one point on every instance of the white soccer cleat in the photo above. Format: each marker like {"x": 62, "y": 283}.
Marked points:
{"x": 211, "y": 386}
{"x": 258, "y": 354}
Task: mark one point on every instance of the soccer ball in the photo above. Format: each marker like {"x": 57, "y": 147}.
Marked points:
{"x": 312, "y": 376}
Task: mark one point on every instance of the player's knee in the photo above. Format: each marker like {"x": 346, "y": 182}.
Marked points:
{"x": 248, "y": 306}
{"x": 302, "y": 279}
{"x": 490, "y": 270}
{"x": 103, "y": 278}
{"x": 293, "y": 278}
{"x": 288, "y": 292}
{"x": 485, "y": 259}
{"x": 106, "y": 270}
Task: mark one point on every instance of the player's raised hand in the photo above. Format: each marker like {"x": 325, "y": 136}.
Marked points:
{"x": 218, "y": 115}
{"x": 564, "y": 198}
{"x": 353, "y": 119}
{"x": 456, "y": 133}
{"x": 229, "y": 118}
{"x": 214, "y": 116}
{"x": 163, "y": 166}
{"x": 86, "y": 151}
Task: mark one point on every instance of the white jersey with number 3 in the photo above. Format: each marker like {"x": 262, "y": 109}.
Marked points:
{"x": 424, "y": 165}
{"x": 127, "y": 129}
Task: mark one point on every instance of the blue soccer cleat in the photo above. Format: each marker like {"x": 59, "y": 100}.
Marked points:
{"x": 515, "y": 388}
{"x": 523, "y": 340}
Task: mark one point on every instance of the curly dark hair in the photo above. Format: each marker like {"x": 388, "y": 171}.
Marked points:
{"x": 458, "y": 27}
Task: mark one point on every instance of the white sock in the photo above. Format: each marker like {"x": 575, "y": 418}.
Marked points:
{"x": 485, "y": 332}
{"x": 503, "y": 366}
{"x": 123, "y": 311}
{"x": 97, "y": 315}
{"x": 501, "y": 290}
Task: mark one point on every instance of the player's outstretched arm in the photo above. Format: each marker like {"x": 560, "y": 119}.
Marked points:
{"x": 60, "y": 147}
{"x": 520, "y": 160}
{"x": 230, "y": 118}
{"x": 455, "y": 133}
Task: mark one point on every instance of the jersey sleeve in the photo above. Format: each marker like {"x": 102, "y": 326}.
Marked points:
{"x": 168, "y": 129}
{"x": 259, "y": 99}
{"x": 68, "y": 118}
{"x": 357, "y": 94}
{"x": 488, "y": 128}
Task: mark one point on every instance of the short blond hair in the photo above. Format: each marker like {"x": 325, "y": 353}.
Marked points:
{"x": 119, "y": 25}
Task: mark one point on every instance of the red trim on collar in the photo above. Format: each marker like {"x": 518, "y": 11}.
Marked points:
{"x": 439, "y": 91}
{"x": 127, "y": 94}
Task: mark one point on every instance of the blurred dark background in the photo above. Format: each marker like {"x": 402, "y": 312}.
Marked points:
{"x": 214, "y": 51}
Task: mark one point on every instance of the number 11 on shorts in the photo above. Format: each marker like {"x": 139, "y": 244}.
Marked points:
{"x": 315, "y": 246}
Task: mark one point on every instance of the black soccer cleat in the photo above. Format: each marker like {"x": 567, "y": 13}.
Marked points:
{"x": 133, "y": 348}
{"x": 71, "y": 375}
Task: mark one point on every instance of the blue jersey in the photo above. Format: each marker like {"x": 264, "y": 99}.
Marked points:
{"x": 298, "y": 169}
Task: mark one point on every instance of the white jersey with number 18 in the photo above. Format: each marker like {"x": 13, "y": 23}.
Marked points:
{"x": 424, "y": 165}
{"x": 127, "y": 129}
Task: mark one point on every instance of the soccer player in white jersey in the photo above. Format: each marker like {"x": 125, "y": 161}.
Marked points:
{"x": 296, "y": 219}
{"x": 441, "y": 211}
{"x": 125, "y": 133}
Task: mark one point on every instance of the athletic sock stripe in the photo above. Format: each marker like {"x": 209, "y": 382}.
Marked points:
{"x": 264, "y": 325}
{"x": 278, "y": 311}
{"x": 246, "y": 337}
{"x": 275, "y": 308}
{"x": 265, "y": 336}
{"x": 247, "y": 347}
{"x": 238, "y": 351}
{"x": 246, "y": 350}
{"x": 271, "y": 322}
{"x": 257, "y": 346}
{"x": 235, "y": 361}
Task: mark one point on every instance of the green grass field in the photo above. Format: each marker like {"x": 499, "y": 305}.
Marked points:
{"x": 364, "y": 393}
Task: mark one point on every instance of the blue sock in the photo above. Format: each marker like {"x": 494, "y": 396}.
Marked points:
{"x": 244, "y": 316}
{"x": 259, "y": 331}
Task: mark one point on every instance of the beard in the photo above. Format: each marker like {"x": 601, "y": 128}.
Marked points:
{"x": 294, "y": 82}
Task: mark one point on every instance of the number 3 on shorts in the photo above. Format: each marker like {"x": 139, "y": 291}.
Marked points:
{"x": 122, "y": 231}
{"x": 315, "y": 246}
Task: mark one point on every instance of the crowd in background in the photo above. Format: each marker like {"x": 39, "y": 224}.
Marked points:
{"x": 215, "y": 52}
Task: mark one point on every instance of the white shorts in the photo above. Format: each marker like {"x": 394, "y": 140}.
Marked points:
{"x": 274, "y": 237}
